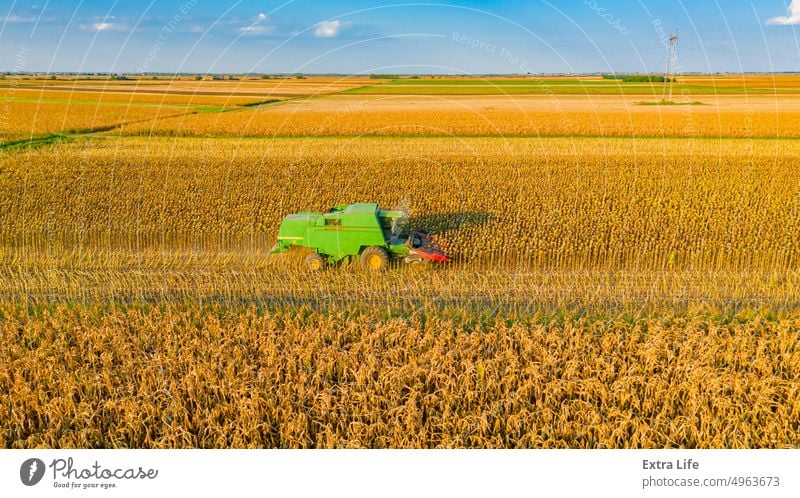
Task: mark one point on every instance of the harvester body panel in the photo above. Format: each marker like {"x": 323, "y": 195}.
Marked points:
{"x": 345, "y": 231}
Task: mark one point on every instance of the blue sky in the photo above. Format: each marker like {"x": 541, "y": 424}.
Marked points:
{"x": 346, "y": 36}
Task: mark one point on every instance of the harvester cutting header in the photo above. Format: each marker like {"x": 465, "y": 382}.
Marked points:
{"x": 360, "y": 230}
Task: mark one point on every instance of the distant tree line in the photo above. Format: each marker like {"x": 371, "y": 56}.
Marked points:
{"x": 638, "y": 78}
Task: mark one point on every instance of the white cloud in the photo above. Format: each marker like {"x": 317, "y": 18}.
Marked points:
{"x": 791, "y": 19}
{"x": 255, "y": 30}
{"x": 19, "y": 19}
{"x": 105, "y": 26}
{"x": 330, "y": 29}
{"x": 256, "y": 27}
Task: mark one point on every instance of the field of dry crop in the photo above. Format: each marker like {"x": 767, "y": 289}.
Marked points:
{"x": 223, "y": 376}
{"x": 525, "y": 115}
{"x": 35, "y": 118}
{"x": 625, "y": 274}
{"x": 37, "y": 107}
{"x": 558, "y": 204}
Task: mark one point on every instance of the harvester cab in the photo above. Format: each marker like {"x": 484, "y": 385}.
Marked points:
{"x": 375, "y": 236}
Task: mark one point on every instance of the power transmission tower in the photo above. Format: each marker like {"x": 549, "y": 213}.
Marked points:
{"x": 672, "y": 62}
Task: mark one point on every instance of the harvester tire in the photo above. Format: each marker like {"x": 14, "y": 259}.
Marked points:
{"x": 314, "y": 262}
{"x": 374, "y": 258}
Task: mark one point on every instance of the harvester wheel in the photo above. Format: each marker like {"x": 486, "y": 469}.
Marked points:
{"x": 374, "y": 258}
{"x": 315, "y": 262}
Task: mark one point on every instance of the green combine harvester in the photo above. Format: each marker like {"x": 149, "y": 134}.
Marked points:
{"x": 363, "y": 230}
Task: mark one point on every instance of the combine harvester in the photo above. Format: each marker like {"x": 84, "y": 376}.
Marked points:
{"x": 351, "y": 231}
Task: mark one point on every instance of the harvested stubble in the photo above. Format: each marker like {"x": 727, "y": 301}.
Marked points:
{"x": 229, "y": 280}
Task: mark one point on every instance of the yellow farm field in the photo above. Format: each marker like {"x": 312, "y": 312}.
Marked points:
{"x": 561, "y": 203}
{"x": 107, "y": 96}
{"x": 36, "y": 118}
{"x": 745, "y": 81}
{"x": 542, "y": 115}
{"x": 171, "y": 376}
{"x": 244, "y": 88}
{"x": 624, "y": 274}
